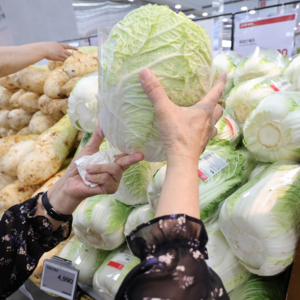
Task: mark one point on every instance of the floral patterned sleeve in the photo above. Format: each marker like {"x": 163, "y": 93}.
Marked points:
{"x": 23, "y": 240}
{"x": 172, "y": 252}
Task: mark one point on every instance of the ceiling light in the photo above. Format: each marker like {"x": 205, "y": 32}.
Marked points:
{"x": 86, "y": 4}
{"x": 298, "y": 23}
{"x": 178, "y": 6}
{"x": 297, "y": 6}
{"x": 295, "y": 28}
{"x": 130, "y": 0}
{"x": 191, "y": 16}
{"x": 243, "y": 8}
{"x": 252, "y": 12}
{"x": 205, "y": 14}
{"x": 224, "y": 20}
{"x": 226, "y": 43}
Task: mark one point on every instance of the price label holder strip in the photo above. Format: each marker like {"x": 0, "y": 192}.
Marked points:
{"x": 59, "y": 277}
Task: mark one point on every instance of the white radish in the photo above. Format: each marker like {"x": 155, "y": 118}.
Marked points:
{"x": 14, "y": 100}
{"x": 5, "y": 96}
{"x": 29, "y": 102}
{"x": 4, "y": 121}
{"x": 19, "y": 118}
{"x": 40, "y": 123}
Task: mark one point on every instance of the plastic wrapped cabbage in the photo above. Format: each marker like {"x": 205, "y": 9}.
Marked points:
{"x": 220, "y": 171}
{"x": 260, "y": 220}
{"x": 141, "y": 214}
{"x": 271, "y": 132}
{"x": 112, "y": 272}
{"x": 226, "y": 62}
{"x": 228, "y": 130}
{"x": 259, "y": 288}
{"x": 249, "y": 165}
{"x": 135, "y": 180}
{"x": 293, "y": 72}
{"x": 84, "y": 258}
{"x": 222, "y": 260}
{"x": 261, "y": 62}
{"x": 246, "y": 96}
{"x": 258, "y": 169}
{"x": 83, "y": 105}
{"x": 99, "y": 222}
{"x": 178, "y": 52}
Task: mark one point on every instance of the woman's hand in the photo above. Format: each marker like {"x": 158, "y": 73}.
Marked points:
{"x": 57, "y": 51}
{"x": 67, "y": 193}
{"x": 185, "y": 131}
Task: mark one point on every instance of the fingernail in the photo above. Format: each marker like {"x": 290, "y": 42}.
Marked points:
{"x": 88, "y": 177}
{"x": 145, "y": 74}
{"x": 89, "y": 168}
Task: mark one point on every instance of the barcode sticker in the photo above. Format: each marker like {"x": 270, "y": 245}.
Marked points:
{"x": 232, "y": 124}
{"x": 210, "y": 164}
{"x": 121, "y": 259}
{"x": 281, "y": 86}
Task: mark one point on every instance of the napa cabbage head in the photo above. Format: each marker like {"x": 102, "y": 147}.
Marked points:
{"x": 99, "y": 222}
{"x": 258, "y": 169}
{"x": 271, "y": 132}
{"x": 249, "y": 165}
{"x": 226, "y": 62}
{"x": 258, "y": 288}
{"x": 260, "y": 62}
{"x": 83, "y": 106}
{"x": 246, "y": 96}
{"x": 260, "y": 220}
{"x": 222, "y": 260}
{"x": 175, "y": 49}
{"x": 84, "y": 258}
{"x": 293, "y": 72}
{"x": 228, "y": 130}
{"x": 108, "y": 278}
{"x": 141, "y": 214}
{"x": 214, "y": 190}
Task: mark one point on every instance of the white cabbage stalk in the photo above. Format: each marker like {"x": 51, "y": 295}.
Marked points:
{"x": 226, "y": 62}
{"x": 84, "y": 258}
{"x": 260, "y": 63}
{"x": 260, "y": 220}
{"x": 246, "y": 96}
{"x": 138, "y": 216}
{"x": 293, "y": 72}
{"x": 108, "y": 278}
{"x": 222, "y": 260}
{"x": 228, "y": 130}
{"x": 83, "y": 105}
{"x": 176, "y": 49}
{"x": 258, "y": 169}
{"x": 212, "y": 191}
{"x": 250, "y": 163}
{"x": 272, "y": 131}
{"x": 260, "y": 288}
{"x": 99, "y": 222}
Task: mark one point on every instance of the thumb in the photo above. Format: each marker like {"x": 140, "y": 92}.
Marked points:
{"x": 126, "y": 161}
{"x": 154, "y": 91}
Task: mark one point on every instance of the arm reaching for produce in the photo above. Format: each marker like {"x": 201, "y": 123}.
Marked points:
{"x": 16, "y": 58}
{"x": 27, "y": 231}
{"x": 171, "y": 247}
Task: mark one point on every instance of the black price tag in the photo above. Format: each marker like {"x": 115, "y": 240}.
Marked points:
{"x": 59, "y": 277}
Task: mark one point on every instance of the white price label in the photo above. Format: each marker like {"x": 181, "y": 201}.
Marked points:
{"x": 281, "y": 86}
{"x": 210, "y": 164}
{"x": 232, "y": 124}
{"x": 59, "y": 278}
{"x": 121, "y": 259}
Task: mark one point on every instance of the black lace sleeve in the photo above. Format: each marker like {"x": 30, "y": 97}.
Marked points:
{"x": 172, "y": 252}
{"x": 23, "y": 240}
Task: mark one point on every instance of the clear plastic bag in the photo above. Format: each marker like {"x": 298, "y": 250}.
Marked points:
{"x": 114, "y": 269}
{"x": 260, "y": 62}
{"x": 181, "y": 60}
{"x": 84, "y": 258}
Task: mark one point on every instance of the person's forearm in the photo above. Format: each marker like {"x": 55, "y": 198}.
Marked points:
{"x": 16, "y": 58}
{"x": 180, "y": 192}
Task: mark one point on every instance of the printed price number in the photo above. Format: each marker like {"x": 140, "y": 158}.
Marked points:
{"x": 283, "y": 51}
{"x": 65, "y": 279}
